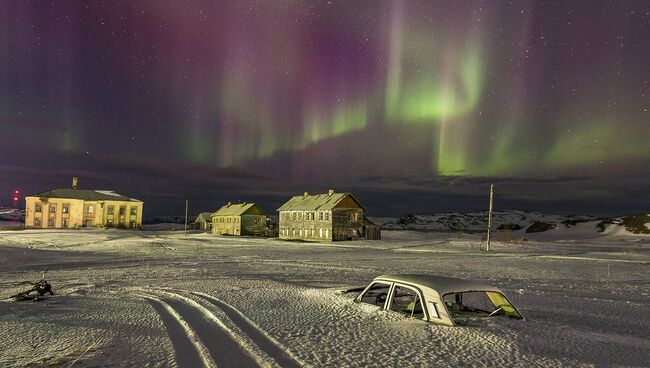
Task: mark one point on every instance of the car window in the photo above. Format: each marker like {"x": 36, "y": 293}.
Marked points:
{"x": 479, "y": 304}
{"x": 376, "y": 294}
{"x": 406, "y": 301}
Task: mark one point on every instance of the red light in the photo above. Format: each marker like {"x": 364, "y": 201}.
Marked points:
{"x": 16, "y": 196}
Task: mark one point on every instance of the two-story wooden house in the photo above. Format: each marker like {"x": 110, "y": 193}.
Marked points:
{"x": 239, "y": 219}
{"x": 325, "y": 217}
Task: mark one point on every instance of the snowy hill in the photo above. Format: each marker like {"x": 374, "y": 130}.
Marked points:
{"x": 518, "y": 221}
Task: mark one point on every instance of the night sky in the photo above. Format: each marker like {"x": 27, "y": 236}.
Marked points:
{"x": 414, "y": 106}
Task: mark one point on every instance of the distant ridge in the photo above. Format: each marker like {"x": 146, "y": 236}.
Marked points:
{"x": 516, "y": 221}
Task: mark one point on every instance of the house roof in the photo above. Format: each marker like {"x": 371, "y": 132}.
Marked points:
{"x": 442, "y": 285}
{"x": 236, "y": 209}
{"x": 316, "y": 202}
{"x": 85, "y": 194}
{"x": 203, "y": 215}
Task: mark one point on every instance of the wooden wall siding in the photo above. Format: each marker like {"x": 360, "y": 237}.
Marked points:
{"x": 305, "y": 228}
{"x": 347, "y": 224}
{"x": 250, "y": 225}
{"x": 228, "y": 226}
{"x": 253, "y": 225}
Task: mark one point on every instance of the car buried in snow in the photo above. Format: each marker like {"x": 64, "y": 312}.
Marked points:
{"x": 442, "y": 300}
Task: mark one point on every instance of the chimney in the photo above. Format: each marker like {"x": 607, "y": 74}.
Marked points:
{"x": 74, "y": 182}
{"x": 305, "y": 195}
{"x": 330, "y": 192}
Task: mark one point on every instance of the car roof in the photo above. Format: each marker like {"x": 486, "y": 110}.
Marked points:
{"x": 441, "y": 284}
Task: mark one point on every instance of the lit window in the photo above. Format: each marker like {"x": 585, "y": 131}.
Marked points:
{"x": 122, "y": 210}
{"x": 37, "y": 207}
{"x": 90, "y": 209}
{"x": 66, "y": 208}
{"x": 64, "y": 222}
{"x": 52, "y": 207}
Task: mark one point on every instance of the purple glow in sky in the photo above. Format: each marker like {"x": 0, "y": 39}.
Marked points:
{"x": 412, "y": 105}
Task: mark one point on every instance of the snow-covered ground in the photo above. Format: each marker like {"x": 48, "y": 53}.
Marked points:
{"x": 158, "y": 298}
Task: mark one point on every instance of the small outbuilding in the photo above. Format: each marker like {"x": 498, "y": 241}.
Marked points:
{"x": 240, "y": 219}
{"x": 203, "y": 221}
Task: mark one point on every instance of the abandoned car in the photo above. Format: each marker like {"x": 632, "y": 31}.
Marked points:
{"x": 437, "y": 299}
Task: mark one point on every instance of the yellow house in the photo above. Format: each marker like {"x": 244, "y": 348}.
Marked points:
{"x": 75, "y": 208}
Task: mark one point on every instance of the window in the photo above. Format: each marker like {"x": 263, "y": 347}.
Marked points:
{"x": 122, "y": 210}
{"x": 327, "y": 216}
{"x": 479, "y": 304}
{"x": 320, "y": 216}
{"x": 64, "y": 222}
{"x": 52, "y": 208}
{"x": 37, "y": 207}
{"x": 320, "y": 232}
{"x": 327, "y": 233}
{"x": 134, "y": 211}
{"x": 433, "y": 310}
{"x": 50, "y": 222}
{"x": 256, "y": 220}
{"x": 110, "y": 210}
{"x": 90, "y": 209}
{"x": 406, "y": 301}
{"x": 37, "y": 222}
{"x": 354, "y": 216}
{"x": 375, "y": 294}
{"x": 109, "y": 222}
{"x": 65, "y": 208}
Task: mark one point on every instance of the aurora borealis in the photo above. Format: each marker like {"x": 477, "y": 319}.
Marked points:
{"x": 255, "y": 100}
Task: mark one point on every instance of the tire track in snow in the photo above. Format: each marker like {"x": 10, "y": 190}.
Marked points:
{"x": 225, "y": 350}
{"x": 226, "y": 347}
{"x": 269, "y": 345}
{"x": 190, "y": 351}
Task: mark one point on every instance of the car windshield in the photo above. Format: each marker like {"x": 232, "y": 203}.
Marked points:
{"x": 473, "y": 304}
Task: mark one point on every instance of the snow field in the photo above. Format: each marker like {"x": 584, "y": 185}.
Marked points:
{"x": 276, "y": 303}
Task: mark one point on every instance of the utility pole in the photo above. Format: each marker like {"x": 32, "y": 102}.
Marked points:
{"x": 489, "y": 229}
{"x": 186, "y": 205}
